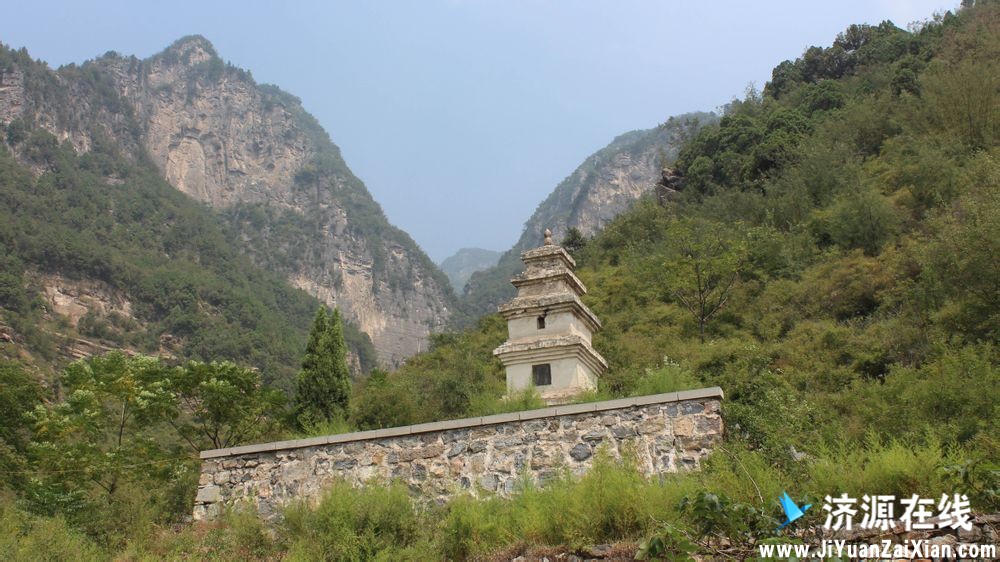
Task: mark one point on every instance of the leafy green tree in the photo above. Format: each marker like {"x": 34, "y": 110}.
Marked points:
{"x": 20, "y": 392}
{"x": 311, "y": 360}
{"x": 574, "y": 241}
{"x": 381, "y": 401}
{"x": 102, "y": 435}
{"x": 859, "y": 218}
{"x": 704, "y": 261}
{"x": 324, "y": 384}
{"x": 221, "y": 404}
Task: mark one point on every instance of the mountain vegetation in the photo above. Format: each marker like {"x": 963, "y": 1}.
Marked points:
{"x": 830, "y": 263}
{"x": 139, "y": 236}
{"x": 606, "y": 184}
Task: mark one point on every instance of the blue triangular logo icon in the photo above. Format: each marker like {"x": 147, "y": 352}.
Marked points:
{"x": 792, "y": 511}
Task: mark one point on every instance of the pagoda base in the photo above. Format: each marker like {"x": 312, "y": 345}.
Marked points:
{"x": 570, "y": 378}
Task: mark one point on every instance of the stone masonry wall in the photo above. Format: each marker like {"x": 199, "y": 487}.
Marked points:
{"x": 667, "y": 432}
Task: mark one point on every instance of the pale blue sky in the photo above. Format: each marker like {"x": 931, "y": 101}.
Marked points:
{"x": 462, "y": 115}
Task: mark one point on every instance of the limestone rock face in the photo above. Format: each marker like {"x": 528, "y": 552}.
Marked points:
{"x": 213, "y": 133}
{"x": 609, "y": 181}
{"x": 253, "y": 153}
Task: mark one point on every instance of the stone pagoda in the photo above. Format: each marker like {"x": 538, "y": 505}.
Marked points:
{"x": 549, "y": 329}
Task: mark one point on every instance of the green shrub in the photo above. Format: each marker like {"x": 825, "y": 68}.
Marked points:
{"x": 671, "y": 377}
{"x": 27, "y": 537}
{"x": 352, "y": 524}
{"x": 878, "y": 466}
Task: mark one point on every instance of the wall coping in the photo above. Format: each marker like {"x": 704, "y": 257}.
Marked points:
{"x": 555, "y": 411}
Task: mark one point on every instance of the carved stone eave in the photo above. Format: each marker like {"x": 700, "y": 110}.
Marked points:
{"x": 549, "y": 349}
{"x": 559, "y": 274}
{"x": 520, "y": 307}
{"x": 538, "y": 254}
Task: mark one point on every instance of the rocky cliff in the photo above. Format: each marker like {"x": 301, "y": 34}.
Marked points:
{"x": 254, "y": 154}
{"x": 606, "y": 184}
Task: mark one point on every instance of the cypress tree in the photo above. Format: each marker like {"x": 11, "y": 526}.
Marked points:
{"x": 324, "y": 384}
{"x": 336, "y": 350}
{"x": 311, "y": 360}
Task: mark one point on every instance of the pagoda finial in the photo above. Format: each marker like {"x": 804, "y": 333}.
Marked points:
{"x": 548, "y": 237}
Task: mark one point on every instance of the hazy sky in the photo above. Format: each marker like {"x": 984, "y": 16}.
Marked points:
{"x": 462, "y": 115}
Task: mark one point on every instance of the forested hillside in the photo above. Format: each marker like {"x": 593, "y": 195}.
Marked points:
{"x": 834, "y": 243}
{"x": 606, "y": 184}
{"x": 830, "y": 261}
{"x": 96, "y": 245}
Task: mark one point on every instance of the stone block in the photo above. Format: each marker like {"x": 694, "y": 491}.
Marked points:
{"x": 208, "y": 494}
{"x": 708, "y": 424}
{"x": 692, "y": 407}
{"x": 427, "y": 452}
{"x": 488, "y": 482}
{"x": 652, "y": 425}
{"x": 570, "y": 409}
{"x": 455, "y": 435}
{"x": 536, "y": 414}
{"x": 542, "y": 457}
{"x": 684, "y": 426}
{"x": 580, "y": 452}
{"x": 623, "y": 432}
{"x": 478, "y": 463}
{"x": 534, "y": 426}
{"x": 507, "y": 442}
{"x": 418, "y": 471}
{"x": 444, "y": 425}
{"x": 345, "y": 464}
{"x": 656, "y": 399}
{"x": 501, "y": 418}
{"x": 700, "y": 394}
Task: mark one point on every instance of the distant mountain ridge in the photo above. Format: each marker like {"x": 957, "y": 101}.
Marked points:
{"x": 605, "y": 185}
{"x": 466, "y": 261}
{"x": 252, "y": 153}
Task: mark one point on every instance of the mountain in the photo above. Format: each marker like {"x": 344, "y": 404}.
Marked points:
{"x": 606, "y": 184}
{"x": 460, "y": 266}
{"x": 252, "y": 154}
